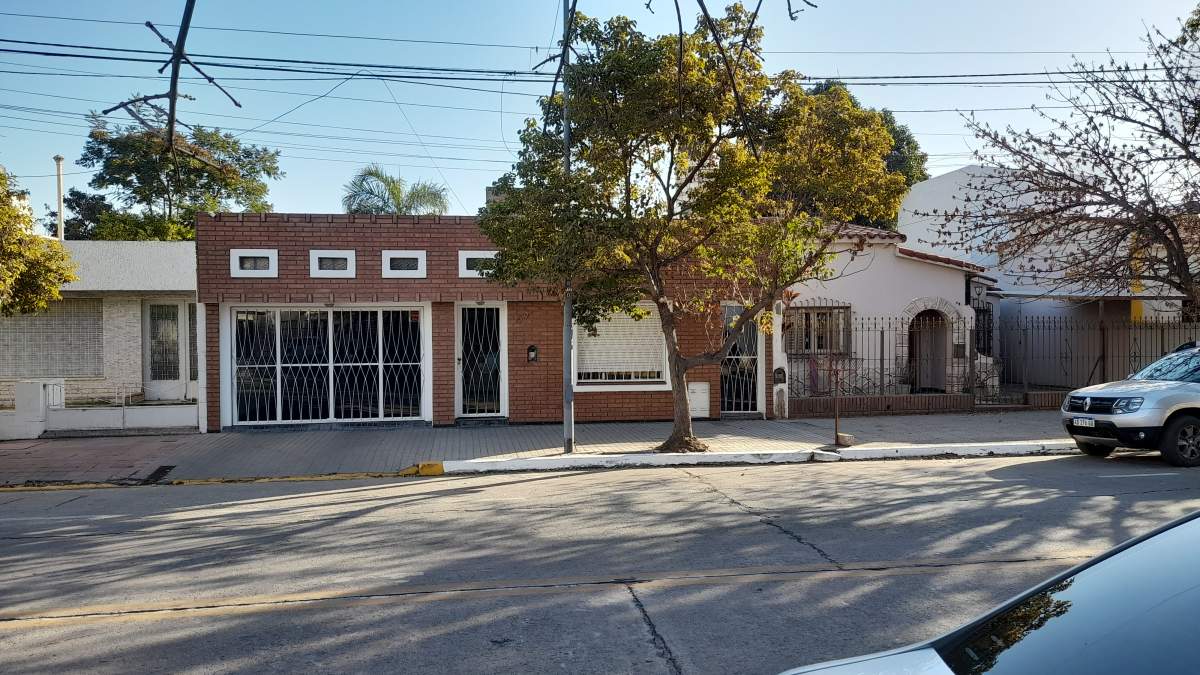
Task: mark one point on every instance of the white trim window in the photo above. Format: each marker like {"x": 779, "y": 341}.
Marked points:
{"x": 254, "y": 262}
{"x": 624, "y": 354}
{"x": 468, "y": 263}
{"x": 331, "y": 264}
{"x": 399, "y": 264}
{"x": 811, "y": 331}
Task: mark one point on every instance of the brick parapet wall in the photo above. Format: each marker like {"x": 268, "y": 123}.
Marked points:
{"x": 905, "y": 404}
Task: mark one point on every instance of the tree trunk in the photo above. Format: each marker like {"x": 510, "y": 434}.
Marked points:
{"x": 682, "y": 438}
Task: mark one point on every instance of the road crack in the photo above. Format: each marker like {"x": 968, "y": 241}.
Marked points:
{"x": 660, "y": 643}
{"x": 765, "y": 519}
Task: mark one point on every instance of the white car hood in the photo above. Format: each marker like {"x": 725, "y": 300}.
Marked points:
{"x": 1134, "y": 388}
{"x": 923, "y": 661}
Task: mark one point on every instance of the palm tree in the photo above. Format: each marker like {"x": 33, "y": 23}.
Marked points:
{"x": 374, "y": 190}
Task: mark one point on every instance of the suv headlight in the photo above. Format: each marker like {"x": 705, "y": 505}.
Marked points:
{"x": 1127, "y": 405}
{"x": 1066, "y": 404}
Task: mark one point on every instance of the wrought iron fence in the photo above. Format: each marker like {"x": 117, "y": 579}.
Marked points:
{"x": 995, "y": 360}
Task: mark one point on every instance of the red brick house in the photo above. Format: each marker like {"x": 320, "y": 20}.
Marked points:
{"x": 313, "y": 318}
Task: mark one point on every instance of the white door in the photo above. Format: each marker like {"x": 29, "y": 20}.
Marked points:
{"x": 165, "y": 350}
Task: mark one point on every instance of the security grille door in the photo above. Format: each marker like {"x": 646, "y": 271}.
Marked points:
{"x": 304, "y": 364}
{"x": 255, "y": 362}
{"x": 164, "y": 342}
{"x": 479, "y": 361}
{"x": 401, "y": 363}
{"x": 320, "y": 365}
{"x": 739, "y": 370}
{"x": 355, "y": 364}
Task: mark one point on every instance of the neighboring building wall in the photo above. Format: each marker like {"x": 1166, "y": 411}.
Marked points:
{"x": 533, "y": 316}
{"x": 879, "y": 283}
{"x": 121, "y": 368}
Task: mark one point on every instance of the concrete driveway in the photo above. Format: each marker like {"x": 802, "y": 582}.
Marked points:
{"x": 699, "y": 570}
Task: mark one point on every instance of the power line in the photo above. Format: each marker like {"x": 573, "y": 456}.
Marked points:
{"x": 265, "y": 59}
{"x": 497, "y": 45}
{"x": 229, "y": 116}
{"x": 961, "y": 52}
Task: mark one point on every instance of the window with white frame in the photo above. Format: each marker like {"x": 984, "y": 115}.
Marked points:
{"x": 403, "y": 264}
{"x": 472, "y": 263}
{"x": 810, "y": 331}
{"x": 253, "y": 262}
{"x": 331, "y": 264}
{"x": 623, "y": 351}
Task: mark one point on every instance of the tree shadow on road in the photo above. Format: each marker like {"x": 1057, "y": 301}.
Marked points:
{"x": 732, "y": 569}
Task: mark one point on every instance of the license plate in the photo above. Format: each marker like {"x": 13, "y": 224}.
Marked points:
{"x": 1083, "y": 422}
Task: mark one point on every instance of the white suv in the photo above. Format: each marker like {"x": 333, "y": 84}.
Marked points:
{"x": 1157, "y": 408}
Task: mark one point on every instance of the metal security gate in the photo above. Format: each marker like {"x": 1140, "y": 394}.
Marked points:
{"x": 739, "y": 370}
{"x": 317, "y": 365}
{"x": 480, "y": 362}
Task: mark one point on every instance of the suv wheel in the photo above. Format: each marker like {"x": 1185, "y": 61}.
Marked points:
{"x": 1095, "y": 449}
{"x": 1180, "y": 443}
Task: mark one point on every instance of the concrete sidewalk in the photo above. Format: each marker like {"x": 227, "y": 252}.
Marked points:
{"x": 231, "y": 455}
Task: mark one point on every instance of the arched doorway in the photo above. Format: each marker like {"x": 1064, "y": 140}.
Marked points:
{"x": 927, "y": 351}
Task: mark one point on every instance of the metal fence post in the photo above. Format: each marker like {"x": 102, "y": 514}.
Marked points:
{"x": 1103, "y": 352}
{"x": 1025, "y": 358}
{"x": 971, "y": 362}
{"x": 882, "y": 362}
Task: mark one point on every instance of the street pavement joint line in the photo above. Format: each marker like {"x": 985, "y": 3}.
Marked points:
{"x": 724, "y": 576}
{"x": 11, "y": 501}
{"x": 766, "y": 520}
{"x": 660, "y": 643}
{"x": 1137, "y": 475}
{"x": 68, "y": 501}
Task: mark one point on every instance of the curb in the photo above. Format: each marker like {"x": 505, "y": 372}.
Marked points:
{"x": 638, "y": 459}
{"x": 643, "y": 460}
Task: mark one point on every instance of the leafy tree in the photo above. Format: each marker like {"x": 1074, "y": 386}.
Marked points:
{"x": 209, "y": 170}
{"x": 675, "y": 196}
{"x": 32, "y": 267}
{"x": 905, "y": 158}
{"x": 1105, "y": 201}
{"x": 374, "y": 190}
{"x": 86, "y": 209}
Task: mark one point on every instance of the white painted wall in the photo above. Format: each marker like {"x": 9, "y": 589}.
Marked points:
{"x": 879, "y": 283}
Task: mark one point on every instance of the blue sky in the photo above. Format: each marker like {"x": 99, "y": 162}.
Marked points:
{"x": 469, "y": 146}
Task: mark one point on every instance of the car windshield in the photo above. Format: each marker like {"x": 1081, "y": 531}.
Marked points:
{"x": 1135, "y": 612}
{"x": 1177, "y": 367}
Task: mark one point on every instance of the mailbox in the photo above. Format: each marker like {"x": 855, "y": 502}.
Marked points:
{"x": 780, "y": 376}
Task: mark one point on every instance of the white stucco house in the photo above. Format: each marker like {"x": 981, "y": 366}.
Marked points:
{"x": 124, "y": 333}
{"x": 892, "y": 321}
{"x": 1015, "y": 294}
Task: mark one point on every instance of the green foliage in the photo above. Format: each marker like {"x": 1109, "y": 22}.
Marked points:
{"x": 117, "y": 226}
{"x": 374, "y": 190}
{"x": 668, "y": 181}
{"x": 905, "y": 156}
{"x": 32, "y": 267}
{"x": 85, "y": 209}
{"x": 209, "y": 170}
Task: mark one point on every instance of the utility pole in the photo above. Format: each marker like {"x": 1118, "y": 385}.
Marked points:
{"x": 568, "y": 293}
{"x": 58, "y": 160}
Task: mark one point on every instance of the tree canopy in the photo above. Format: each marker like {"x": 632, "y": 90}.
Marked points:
{"x": 1106, "y": 200}
{"x": 374, "y": 190}
{"x": 675, "y": 180}
{"x": 32, "y": 267}
{"x": 145, "y": 192}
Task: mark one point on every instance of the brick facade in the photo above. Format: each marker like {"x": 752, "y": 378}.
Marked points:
{"x": 533, "y": 316}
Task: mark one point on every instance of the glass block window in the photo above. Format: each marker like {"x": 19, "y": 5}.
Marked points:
{"x": 623, "y": 350}
{"x": 404, "y": 264}
{"x": 472, "y": 263}
{"x": 256, "y": 263}
{"x": 67, "y": 340}
{"x": 331, "y": 264}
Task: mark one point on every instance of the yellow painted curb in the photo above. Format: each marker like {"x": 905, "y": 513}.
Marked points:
{"x": 430, "y": 469}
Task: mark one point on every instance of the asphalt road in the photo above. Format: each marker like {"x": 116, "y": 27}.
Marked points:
{"x": 703, "y": 570}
